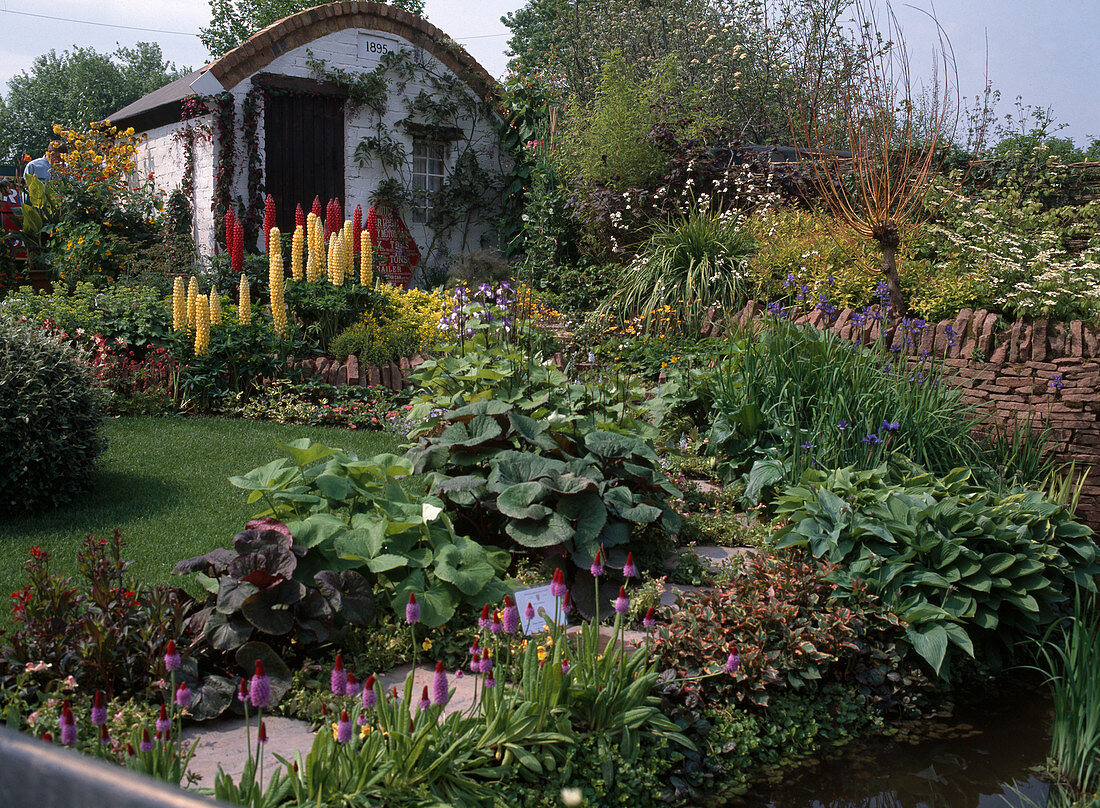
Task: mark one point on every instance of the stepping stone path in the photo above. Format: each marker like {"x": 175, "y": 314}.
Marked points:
{"x": 222, "y": 742}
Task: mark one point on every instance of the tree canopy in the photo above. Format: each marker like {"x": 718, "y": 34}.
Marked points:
{"x": 234, "y": 21}
{"x": 75, "y": 87}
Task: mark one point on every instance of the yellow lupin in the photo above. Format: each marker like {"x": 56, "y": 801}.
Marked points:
{"x": 275, "y": 278}
{"x": 347, "y": 251}
{"x": 215, "y": 308}
{"x": 179, "y": 304}
{"x": 315, "y": 261}
{"x": 244, "y": 302}
{"x": 202, "y": 325}
{"x": 335, "y": 269}
{"x": 192, "y": 301}
{"x": 296, "y": 248}
{"x": 366, "y": 265}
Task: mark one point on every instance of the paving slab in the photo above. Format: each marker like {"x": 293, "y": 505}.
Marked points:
{"x": 462, "y": 689}
{"x": 222, "y": 743}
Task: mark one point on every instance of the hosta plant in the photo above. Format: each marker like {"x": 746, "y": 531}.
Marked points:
{"x": 967, "y": 569}
{"x": 553, "y": 484}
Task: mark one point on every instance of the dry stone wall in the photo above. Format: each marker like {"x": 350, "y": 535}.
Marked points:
{"x": 1049, "y": 368}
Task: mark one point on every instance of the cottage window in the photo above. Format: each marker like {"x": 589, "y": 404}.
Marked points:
{"x": 429, "y": 161}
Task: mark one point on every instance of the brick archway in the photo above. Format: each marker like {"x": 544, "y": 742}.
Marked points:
{"x": 304, "y": 27}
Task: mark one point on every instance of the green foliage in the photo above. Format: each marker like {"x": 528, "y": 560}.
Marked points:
{"x": 51, "y": 419}
{"x": 402, "y": 323}
{"x": 352, "y": 515}
{"x": 106, "y": 628}
{"x": 604, "y": 140}
{"x": 133, "y": 314}
{"x": 686, "y": 268}
{"x": 314, "y": 403}
{"x": 547, "y": 483}
{"x": 324, "y": 310}
{"x": 966, "y": 569}
{"x": 75, "y": 87}
{"x": 1070, "y": 650}
{"x": 783, "y": 617}
{"x": 791, "y": 396}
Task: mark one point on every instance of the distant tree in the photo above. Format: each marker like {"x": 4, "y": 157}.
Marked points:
{"x": 732, "y": 58}
{"x": 234, "y": 21}
{"x": 74, "y": 88}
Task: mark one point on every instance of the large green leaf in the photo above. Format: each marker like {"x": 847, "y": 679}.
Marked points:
{"x": 552, "y": 530}
{"x": 305, "y": 452}
{"x": 930, "y": 641}
{"x": 465, "y": 565}
{"x": 519, "y": 501}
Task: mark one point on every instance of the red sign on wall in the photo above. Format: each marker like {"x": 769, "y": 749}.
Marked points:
{"x": 395, "y": 250}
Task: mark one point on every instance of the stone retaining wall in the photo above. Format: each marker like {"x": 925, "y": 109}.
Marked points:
{"x": 393, "y": 375}
{"x": 1007, "y": 370}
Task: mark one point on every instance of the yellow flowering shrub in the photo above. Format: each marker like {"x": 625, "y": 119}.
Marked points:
{"x": 405, "y": 322}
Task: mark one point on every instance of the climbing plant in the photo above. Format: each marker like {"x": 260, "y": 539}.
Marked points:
{"x": 436, "y": 104}
{"x": 224, "y": 130}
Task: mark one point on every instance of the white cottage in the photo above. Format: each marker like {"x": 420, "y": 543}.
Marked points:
{"x": 357, "y": 101}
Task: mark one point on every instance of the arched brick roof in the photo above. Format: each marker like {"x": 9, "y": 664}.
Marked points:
{"x": 304, "y": 27}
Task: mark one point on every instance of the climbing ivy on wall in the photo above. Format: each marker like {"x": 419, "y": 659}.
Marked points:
{"x": 225, "y": 115}
{"x": 439, "y": 104}
{"x": 191, "y": 108}
{"x": 252, "y": 216}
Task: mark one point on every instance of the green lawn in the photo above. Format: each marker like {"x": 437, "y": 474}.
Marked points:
{"x": 163, "y": 483}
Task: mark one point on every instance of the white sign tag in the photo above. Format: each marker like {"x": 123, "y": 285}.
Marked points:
{"x": 545, "y": 605}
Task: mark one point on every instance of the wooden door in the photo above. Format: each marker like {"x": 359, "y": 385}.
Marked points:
{"x": 304, "y": 151}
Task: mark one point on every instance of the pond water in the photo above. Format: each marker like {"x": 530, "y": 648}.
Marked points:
{"x": 982, "y": 757}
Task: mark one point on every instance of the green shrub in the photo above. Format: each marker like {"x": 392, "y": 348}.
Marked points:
{"x": 403, "y": 322}
{"x": 791, "y": 397}
{"x": 51, "y": 417}
{"x": 134, "y": 314}
{"x": 686, "y": 267}
{"x": 966, "y": 569}
{"x": 793, "y": 634}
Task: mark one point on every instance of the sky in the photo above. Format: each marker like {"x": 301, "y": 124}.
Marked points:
{"x": 1042, "y": 50}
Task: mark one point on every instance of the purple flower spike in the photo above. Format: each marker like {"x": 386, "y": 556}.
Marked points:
{"x": 496, "y": 626}
{"x": 99, "y": 710}
{"x": 163, "y": 723}
{"x": 648, "y": 621}
{"x": 732, "y": 663}
{"x": 146, "y": 744}
{"x": 171, "y": 657}
{"x": 440, "y": 689}
{"x": 425, "y": 702}
{"x": 483, "y": 620}
{"x": 565, "y": 666}
{"x": 486, "y": 663}
{"x": 490, "y": 682}
{"x": 557, "y": 584}
{"x": 629, "y": 570}
{"x": 529, "y": 612}
{"x": 67, "y": 724}
{"x": 511, "y": 616}
{"x": 183, "y": 696}
{"x": 343, "y": 728}
{"x": 370, "y": 698}
{"x": 338, "y": 682}
{"x": 597, "y": 566}
{"x": 259, "y": 692}
{"x": 412, "y": 610}
{"x": 622, "y": 605}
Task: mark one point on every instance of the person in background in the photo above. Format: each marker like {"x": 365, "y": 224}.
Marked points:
{"x": 42, "y": 167}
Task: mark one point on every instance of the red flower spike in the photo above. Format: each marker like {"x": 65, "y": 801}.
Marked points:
{"x": 269, "y": 221}
{"x": 299, "y": 216}
{"x": 339, "y": 662}
{"x": 357, "y": 227}
{"x": 316, "y": 211}
{"x": 262, "y": 736}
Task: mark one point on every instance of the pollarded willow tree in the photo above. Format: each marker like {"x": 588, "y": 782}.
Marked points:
{"x": 873, "y": 143}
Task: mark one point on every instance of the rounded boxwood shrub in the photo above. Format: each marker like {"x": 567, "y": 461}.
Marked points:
{"x": 51, "y": 415}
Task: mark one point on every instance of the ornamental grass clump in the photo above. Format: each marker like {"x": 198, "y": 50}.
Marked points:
{"x": 51, "y": 418}
{"x": 687, "y": 267}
